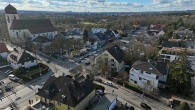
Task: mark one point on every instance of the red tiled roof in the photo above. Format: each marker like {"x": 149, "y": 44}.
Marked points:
{"x": 3, "y": 48}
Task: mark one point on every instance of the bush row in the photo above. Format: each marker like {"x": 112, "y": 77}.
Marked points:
{"x": 20, "y": 72}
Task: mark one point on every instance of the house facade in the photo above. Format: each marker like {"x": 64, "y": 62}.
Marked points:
{"x": 148, "y": 74}
{"x": 64, "y": 93}
{"x": 3, "y": 50}
{"x": 113, "y": 57}
{"x": 20, "y": 58}
{"x": 20, "y": 30}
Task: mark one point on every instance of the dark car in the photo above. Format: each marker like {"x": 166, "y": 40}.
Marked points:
{"x": 98, "y": 79}
{"x": 145, "y": 106}
{"x": 88, "y": 63}
{"x": 7, "y": 88}
{"x": 131, "y": 108}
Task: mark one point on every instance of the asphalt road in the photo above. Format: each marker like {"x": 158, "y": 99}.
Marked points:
{"x": 132, "y": 97}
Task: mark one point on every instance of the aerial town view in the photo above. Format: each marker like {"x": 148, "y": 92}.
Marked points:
{"x": 97, "y": 54}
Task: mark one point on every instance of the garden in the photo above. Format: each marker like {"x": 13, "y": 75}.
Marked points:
{"x": 27, "y": 74}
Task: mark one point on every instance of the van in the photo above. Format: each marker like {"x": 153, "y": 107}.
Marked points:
{"x": 108, "y": 83}
{"x": 12, "y": 77}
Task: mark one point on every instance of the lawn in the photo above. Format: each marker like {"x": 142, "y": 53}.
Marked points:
{"x": 33, "y": 72}
{"x": 87, "y": 23}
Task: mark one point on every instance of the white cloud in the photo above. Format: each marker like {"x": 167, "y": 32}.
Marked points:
{"x": 161, "y": 1}
{"x": 98, "y": 5}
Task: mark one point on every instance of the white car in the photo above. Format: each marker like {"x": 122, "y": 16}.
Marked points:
{"x": 99, "y": 92}
{"x": 108, "y": 83}
{"x": 8, "y": 72}
{"x": 94, "y": 52}
{"x": 12, "y": 77}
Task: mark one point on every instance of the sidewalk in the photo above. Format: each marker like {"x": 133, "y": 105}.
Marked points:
{"x": 162, "y": 103}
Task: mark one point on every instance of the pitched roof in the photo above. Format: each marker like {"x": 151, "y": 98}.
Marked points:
{"x": 158, "y": 68}
{"x": 116, "y": 52}
{"x": 20, "y": 56}
{"x": 66, "y": 87}
{"x": 3, "y": 48}
{"x": 10, "y": 9}
{"x": 35, "y": 26}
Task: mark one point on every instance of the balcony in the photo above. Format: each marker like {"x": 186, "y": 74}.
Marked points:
{"x": 39, "y": 105}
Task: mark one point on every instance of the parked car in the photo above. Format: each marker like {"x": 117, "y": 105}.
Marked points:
{"x": 94, "y": 52}
{"x": 1, "y": 91}
{"x": 48, "y": 61}
{"x": 8, "y": 72}
{"x": 99, "y": 92}
{"x": 98, "y": 79}
{"x": 108, "y": 83}
{"x": 131, "y": 108}
{"x": 87, "y": 63}
{"x": 12, "y": 77}
{"x": 145, "y": 106}
{"x": 7, "y": 88}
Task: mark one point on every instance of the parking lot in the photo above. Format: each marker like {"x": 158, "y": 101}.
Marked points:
{"x": 4, "y": 78}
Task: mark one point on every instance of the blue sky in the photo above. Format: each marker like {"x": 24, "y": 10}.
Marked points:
{"x": 100, "y": 5}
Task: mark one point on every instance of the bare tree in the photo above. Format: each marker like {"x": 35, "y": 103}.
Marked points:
{"x": 103, "y": 65}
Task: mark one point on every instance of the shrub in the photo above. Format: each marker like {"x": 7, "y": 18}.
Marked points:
{"x": 184, "y": 106}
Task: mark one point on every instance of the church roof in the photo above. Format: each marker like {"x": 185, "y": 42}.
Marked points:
{"x": 35, "y": 26}
{"x": 10, "y": 10}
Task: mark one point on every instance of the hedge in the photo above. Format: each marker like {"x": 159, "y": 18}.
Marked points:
{"x": 26, "y": 78}
{"x": 136, "y": 89}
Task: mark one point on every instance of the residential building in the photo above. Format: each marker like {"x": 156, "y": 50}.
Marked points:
{"x": 20, "y": 58}
{"x": 20, "y": 29}
{"x": 3, "y": 50}
{"x": 113, "y": 57}
{"x": 148, "y": 74}
{"x": 64, "y": 93}
{"x": 106, "y": 102}
{"x": 98, "y": 30}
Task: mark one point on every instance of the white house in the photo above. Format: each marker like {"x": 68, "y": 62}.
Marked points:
{"x": 98, "y": 30}
{"x": 171, "y": 54}
{"x": 3, "y": 50}
{"x": 148, "y": 74}
{"x": 20, "y": 58}
{"x": 113, "y": 56}
{"x": 20, "y": 29}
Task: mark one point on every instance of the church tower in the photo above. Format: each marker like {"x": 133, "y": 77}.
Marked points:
{"x": 10, "y": 15}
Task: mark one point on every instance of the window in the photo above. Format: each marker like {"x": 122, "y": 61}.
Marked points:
{"x": 14, "y": 17}
{"x": 106, "y": 54}
{"x": 156, "y": 77}
{"x": 57, "y": 109}
{"x": 8, "y": 20}
{"x": 58, "y": 103}
{"x": 132, "y": 74}
{"x": 140, "y": 78}
{"x": 141, "y": 72}
{"x": 17, "y": 34}
{"x": 45, "y": 100}
{"x": 148, "y": 73}
{"x": 135, "y": 82}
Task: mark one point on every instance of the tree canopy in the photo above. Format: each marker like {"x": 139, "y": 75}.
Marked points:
{"x": 85, "y": 35}
{"x": 180, "y": 74}
{"x": 184, "y": 106}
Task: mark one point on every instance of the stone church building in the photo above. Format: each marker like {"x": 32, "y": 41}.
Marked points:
{"x": 21, "y": 29}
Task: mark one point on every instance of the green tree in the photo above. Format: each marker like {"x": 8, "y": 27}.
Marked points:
{"x": 184, "y": 106}
{"x": 180, "y": 74}
{"x": 85, "y": 35}
{"x": 176, "y": 36}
